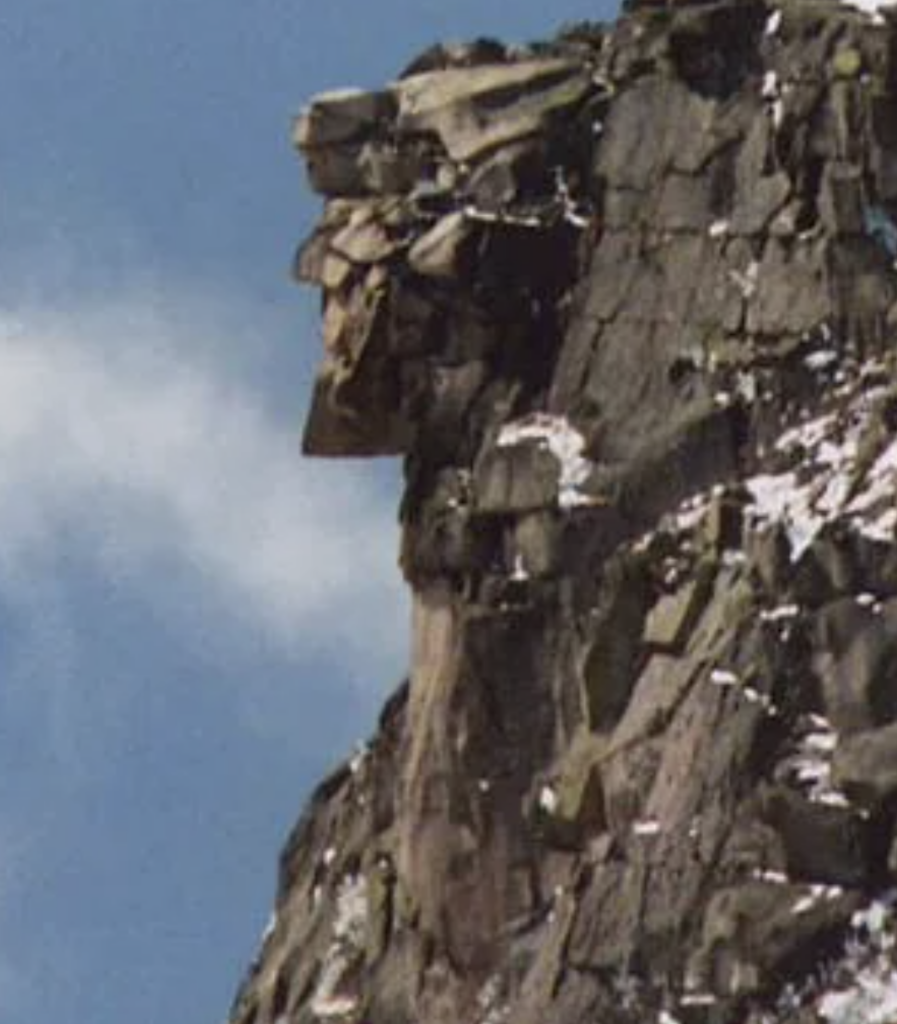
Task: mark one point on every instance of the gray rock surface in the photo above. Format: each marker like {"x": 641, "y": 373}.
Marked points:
{"x": 627, "y": 304}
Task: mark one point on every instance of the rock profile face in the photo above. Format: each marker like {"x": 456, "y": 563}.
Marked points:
{"x": 626, "y": 302}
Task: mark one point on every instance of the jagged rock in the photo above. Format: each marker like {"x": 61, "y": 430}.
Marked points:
{"x": 572, "y": 806}
{"x": 474, "y": 110}
{"x": 754, "y": 930}
{"x": 517, "y": 478}
{"x": 768, "y": 195}
{"x": 625, "y": 302}
{"x": 865, "y": 765}
{"x": 821, "y": 843}
{"x": 856, "y": 664}
{"x": 342, "y": 116}
{"x": 439, "y": 251}
{"x": 725, "y": 523}
{"x": 670, "y": 622}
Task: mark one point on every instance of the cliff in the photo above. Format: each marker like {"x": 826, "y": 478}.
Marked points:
{"x": 626, "y": 302}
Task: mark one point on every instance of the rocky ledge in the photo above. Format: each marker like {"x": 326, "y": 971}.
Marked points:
{"x": 626, "y": 302}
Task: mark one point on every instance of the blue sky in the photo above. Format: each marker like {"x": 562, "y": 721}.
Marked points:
{"x": 194, "y": 623}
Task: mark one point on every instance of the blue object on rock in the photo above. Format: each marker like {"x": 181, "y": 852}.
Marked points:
{"x": 880, "y": 227}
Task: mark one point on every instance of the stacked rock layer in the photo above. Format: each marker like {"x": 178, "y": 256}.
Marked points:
{"x": 626, "y": 302}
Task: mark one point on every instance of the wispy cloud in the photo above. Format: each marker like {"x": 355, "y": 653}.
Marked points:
{"x": 135, "y": 431}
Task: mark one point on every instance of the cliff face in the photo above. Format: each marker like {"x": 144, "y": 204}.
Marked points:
{"x": 627, "y": 304}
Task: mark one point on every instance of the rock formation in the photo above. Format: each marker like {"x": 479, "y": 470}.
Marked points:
{"x": 626, "y": 302}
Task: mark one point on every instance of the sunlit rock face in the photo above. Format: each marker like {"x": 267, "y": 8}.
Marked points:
{"x": 626, "y": 302}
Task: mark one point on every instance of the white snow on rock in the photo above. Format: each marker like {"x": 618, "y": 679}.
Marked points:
{"x": 773, "y": 877}
{"x": 331, "y": 999}
{"x": 667, "y": 1018}
{"x": 548, "y": 799}
{"x": 770, "y": 88}
{"x": 699, "y": 999}
{"x": 649, "y": 827}
{"x": 809, "y": 768}
{"x": 518, "y": 571}
{"x": 867, "y": 989}
{"x": 723, "y": 677}
{"x": 270, "y": 927}
{"x": 493, "y": 1010}
{"x": 821, "y": 359}
{"x": 359, "y": 758}
{"x": 564, "y": 442}
{"x": 871, "y": 1000}
{"x": 871, "y": 7}
{"x": 816, "y": 894}
{"x": 782, "y": 613}
{"x": 828, "y": 483}
{"x": 876, "y": 502}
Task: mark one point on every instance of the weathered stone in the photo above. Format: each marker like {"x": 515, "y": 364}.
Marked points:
{"x": 775, "y": 309}
{"x": 764, "y": 200}
{"x": 365, "y": 239}
{"x": 475, "y": 110}
{"x": 825, "y": 571}
{"x": 341, "y": 116}
{"x": 413, "y": 322}
{"x": 658, "y": 246}
{"x": 613, "y": 273}
{"x": 685, "y": 204}
{"x": 863, "y": 288}
{"x": 517, "y": 478}
{"x": 754, "y": 928}
{"x": 822, "y": 844}
{"x": 606, "y": 919}
{"x": 858, "y": 647}
{"x": 671, "y": 621}
{"x": 865, "y": 765}
{"x": 572, "y": 807}
{"x": 335, "y": 171}
{"x": 611, "y": 666}
{"x": 387, "y": 168}
{"x": 536, "y": 541}
{"x": 335, "y": 272}
{"x": 439, "y": 252}
{"x": 841, "y": 202}
{"x": 453, "y": 392}
{"x": 725, "y": 523}
{"x": 510, "y": 173}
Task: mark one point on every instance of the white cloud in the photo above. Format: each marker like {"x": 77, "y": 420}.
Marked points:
{"x": 134, "y": 430}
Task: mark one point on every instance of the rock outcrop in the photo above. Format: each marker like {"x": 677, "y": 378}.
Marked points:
{"x": 626, "y": 302}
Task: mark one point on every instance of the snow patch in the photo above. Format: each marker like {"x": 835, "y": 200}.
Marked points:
{"x": 830, "y": 483}
{"x": 821, "y": 359}
{"x": 331, "y": 998}
{"x": 359, "y": 758}
{"x": 809, "y": 768}
{"x": 492, "y": 1009}
{"x": 564, "y": 442}
{"x": 548, "y": 799}
{"x": 518, "y": 571}
{"x": 723, "y": 677}
{"x": 871, "y": 995}
{"x": 649, "y": 827}
{"x": 782, "y": 613}
{"x": 817, "y": 894}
